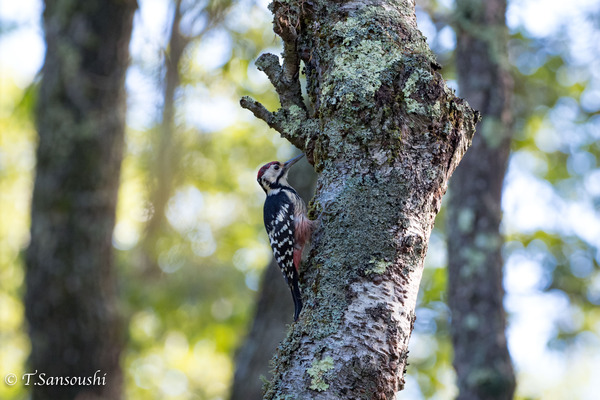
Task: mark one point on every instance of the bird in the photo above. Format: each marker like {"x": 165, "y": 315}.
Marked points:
{"x": 286, "y": 223}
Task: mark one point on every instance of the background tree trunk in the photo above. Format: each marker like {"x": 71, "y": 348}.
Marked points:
{"x": 475, "y": 291}
{"x": 385, "y": 133}
{"x": 269, "y": 326}
{"x": 166, "y": 157}
{"x": 168, "y": 149}
{"x": 274, "y": 311}
{"x": 70, "y": 299}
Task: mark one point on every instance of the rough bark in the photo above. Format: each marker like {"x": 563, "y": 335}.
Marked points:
{"x": 70, "y": 300}
{"x": 475, "y": 292}
{"x": 274, "y": 309}
{"x": 386, "y": 133}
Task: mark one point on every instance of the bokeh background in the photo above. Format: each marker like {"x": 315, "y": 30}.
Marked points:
{"x": 187, "y": 284}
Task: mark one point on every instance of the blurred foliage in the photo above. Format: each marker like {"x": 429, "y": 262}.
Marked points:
{"x": 17, "y": 141}
{"x": 186, "y": 320}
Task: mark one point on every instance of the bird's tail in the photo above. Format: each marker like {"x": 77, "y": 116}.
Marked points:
{"x": 297, "y": 300}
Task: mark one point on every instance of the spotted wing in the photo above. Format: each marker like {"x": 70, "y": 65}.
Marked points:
{"x": 279, "y": 222}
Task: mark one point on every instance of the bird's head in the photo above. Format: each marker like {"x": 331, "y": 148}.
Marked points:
{"x": 273, "y": 175}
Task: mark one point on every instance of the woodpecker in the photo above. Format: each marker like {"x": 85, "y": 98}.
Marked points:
{"x": 286, "y": 222}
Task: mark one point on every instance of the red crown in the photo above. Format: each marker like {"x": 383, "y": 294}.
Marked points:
{"x": 264, "y": 169}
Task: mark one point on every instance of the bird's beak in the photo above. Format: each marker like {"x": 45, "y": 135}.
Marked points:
{"x": 291, "y": 162}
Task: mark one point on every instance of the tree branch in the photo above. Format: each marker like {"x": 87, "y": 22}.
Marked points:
{"x": 269, "y": 64}
{"x": 286, "y": 23}
{"x": 291, "y": 61}
{"x": 291, "y": 120}
{"x": 261, "y": 112}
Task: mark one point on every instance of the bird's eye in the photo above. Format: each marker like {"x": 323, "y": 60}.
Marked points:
{"x": 276, "y": 167}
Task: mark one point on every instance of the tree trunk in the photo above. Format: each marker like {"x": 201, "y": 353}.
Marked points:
{"x": 167, "y": 148}
{"x": 70, "y": 300}
{"x": 274, "y": 309}
{"x": 475, "y": 292}
{"x": 386, "y": 133}
{"x": 273, "y": 312}
{"x": 167, "y": 143}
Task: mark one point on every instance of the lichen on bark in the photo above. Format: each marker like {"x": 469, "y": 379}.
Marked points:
{"x": 386, "y": 133}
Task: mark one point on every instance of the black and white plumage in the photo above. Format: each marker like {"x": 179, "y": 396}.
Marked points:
{"x": 286, "y": 223}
